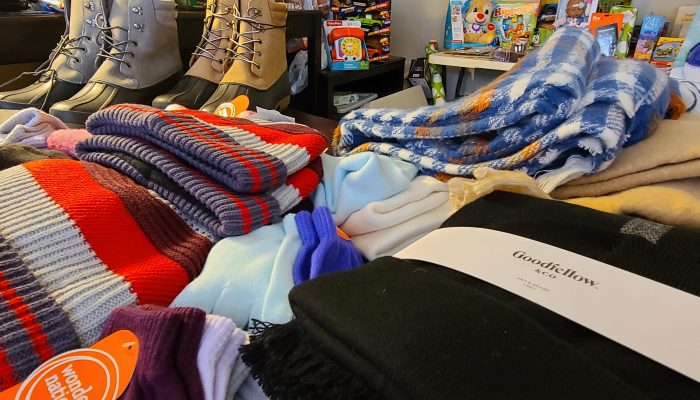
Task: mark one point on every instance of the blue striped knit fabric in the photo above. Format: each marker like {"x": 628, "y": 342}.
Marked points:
{"x": 561, "y": 101}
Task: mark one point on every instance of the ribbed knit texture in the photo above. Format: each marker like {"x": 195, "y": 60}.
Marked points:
{"x": 99, "y": 245}
{"x": 158, "y": 330}
{"x": 301, "y": 270}
{"x": 217, "y": 333}
{"x": 245, "y": 157}
{"x": 223, "y": 174}
{"x": 33, "y": 328}
{"x": 224, "y": 367}
{"x": 187, "y": 346}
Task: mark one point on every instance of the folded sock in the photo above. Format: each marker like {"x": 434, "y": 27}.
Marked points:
{"x": 239, "y": 373}
{"x": 217, "y": 333}
{"x": 157, "y": 329}
{"x": 29, "y": 126}
{"x": 65, "y": 140}
{"x": 224, "y": 366}
{"x": 333, "y": 254}
{"x": 301, "y": 271}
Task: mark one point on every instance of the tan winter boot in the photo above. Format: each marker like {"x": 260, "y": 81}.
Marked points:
{"x": 259, "y": 70}
{"x": 210, "y": 60}
{"x": 70, "y": 65}
{"x": 143, "y": 60}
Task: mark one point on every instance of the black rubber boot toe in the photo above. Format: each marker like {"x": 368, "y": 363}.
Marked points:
{"x": 34, "y": 95}
{"x": 276, "y": 97}
{"x": 191, "y": 92}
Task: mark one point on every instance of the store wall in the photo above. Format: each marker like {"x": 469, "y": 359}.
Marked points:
{"x": 415, "y": 22}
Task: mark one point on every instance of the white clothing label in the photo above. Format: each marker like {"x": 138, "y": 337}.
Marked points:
{"x": 653, "y": 319}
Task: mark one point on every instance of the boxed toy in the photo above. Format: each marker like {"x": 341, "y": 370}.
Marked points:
{"x": 345, "y": 44}
{"x": 374, "y": 18}
{"x": 687, "y": 64}
{"x": 684, "y": 18}
{"x": 652, "y": 26}
{"x": 515, "y": 21}
{"x": 629, "y": 20}
{"x": 575, "y": 12}
{"x": 468, "y": 23}
{"x": 667, "y": 49}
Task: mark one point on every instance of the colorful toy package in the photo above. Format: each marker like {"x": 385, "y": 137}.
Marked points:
{"x": 346, "y": 47}
{"x": 666, "y": 51}
{"x": 468, "y": 23}
{"x": 515, "y": 21}
{"x": 628, "y": 22}
{"x": 576, "y": 12}
{"x": 652, "y": 25}
{"x": 374, "y": 18}
{"x": 687, "y": 65}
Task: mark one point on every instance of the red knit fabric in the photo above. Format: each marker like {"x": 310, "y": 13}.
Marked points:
{"x": 110, "y": 230}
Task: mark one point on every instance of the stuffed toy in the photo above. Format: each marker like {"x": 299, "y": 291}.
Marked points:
{"x": 477, "y": 22}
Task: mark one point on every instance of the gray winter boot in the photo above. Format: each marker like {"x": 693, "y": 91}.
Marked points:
{"x": 259, "y": 70}
{"x": 210, "y": 60}
{"x": 143, "y": 60}
{"x": 70, "y": 65}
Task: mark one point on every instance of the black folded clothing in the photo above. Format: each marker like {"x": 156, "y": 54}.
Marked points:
{"x": 400, "y": 329}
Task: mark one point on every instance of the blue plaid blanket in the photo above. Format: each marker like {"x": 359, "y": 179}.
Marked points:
{"x": 562, "y": 112}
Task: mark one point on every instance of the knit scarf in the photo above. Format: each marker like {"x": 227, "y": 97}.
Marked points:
{"x": 563, "y": 100}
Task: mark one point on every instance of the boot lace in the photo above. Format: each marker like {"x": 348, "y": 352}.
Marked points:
{"x": 67, "y": 47}
{"x": 246, "y": 40}
{"x": 113, "y": 49}
{"x": 211, "y": 40}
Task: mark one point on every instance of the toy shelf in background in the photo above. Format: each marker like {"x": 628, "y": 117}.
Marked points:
{"x": 374, "y": 18}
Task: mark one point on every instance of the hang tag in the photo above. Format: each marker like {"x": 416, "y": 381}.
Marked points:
{"x": 100, "y": 372}
{"x": 653, "y": 319}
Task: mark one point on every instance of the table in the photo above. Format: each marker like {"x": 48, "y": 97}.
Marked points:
{"x": 462, "y": 62}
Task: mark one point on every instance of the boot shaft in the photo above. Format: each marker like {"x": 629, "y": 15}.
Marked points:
{"x": 213, "y": 56}
{"x": 144, "y": 44}
{"x": 261, "y": 45}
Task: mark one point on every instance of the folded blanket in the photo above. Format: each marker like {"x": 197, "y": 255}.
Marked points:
{"x": 397, "y": 329}
{"x": 464, "y": 191}
{"x": 671, "y": 152}
{"x": 675, "y": 203}
{"x": 93, "y": 246}
{"x": 555, "y": 104}
{"x": 230, "y": 175}
{"x": 16, "y": 154}
{"x": 385, "y": 227}
{"x": 29, "y": 126}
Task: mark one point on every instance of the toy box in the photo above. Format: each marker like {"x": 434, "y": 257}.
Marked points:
{"x": 375, "y": 19}
{"x": 575, "y": 12}
{"x": 652, "y": 26}
{"x": 469, "y": 23}
{"x": 666, "y": 51}
{"x": 345, "y": 45}
{"x": 684, "y": 18}
{"x": 628, "y": 22}
{"x": 515, "y": 21}
{"x": 687, "y": 64}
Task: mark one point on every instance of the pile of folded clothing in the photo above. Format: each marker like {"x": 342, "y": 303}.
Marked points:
{"x": 562, "y": 112}
{"x": 411, "y": 329}
{"x": 229, "y": 175}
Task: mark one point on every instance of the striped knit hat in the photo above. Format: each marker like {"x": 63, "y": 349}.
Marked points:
{"x": 231, "y": 175}
{"x": 93, "y": 240}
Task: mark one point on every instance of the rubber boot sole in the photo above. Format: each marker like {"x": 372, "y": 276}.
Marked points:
{"x": 274, "y": 97}
{"x": 34, "y": 95}
{"x": 97, "y": 95}
{"x": 191, "y": 92}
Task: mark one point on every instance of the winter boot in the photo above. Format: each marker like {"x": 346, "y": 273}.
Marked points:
{"x": 259, "y": 69}
{"x": 70, "y": 65}
{"x": 142, "y": 62}
{"x": 210, "y": 60}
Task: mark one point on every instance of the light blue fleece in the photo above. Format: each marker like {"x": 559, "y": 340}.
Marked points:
{"x": 349, "y": 183}
{"x": 248, "y": 277}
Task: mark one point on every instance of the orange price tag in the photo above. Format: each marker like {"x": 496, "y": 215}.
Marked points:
{"x": 100, "y": 372}
{"x": 234, "y": 107}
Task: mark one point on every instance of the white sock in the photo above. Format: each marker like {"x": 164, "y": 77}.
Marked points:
{"x": 239, "y": 373}
{"x": 217, "y": 332}
{"x": 226, "y": 362}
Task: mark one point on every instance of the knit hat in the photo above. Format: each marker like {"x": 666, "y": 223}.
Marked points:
{"x": 158, "y": 331}
{"x": 384, "y": 227}
{"x": 65, "y": 140}
{"x": 326, "y": 252}
{"x": 99, "y": 245}
{"x": 16, "y": 154}
{"x": 335, "y": 347}
{"x": 211, "y": 200}
{"x": 349, "y": 183}
{"x": 33, "y": 328}
{"x": 241, "y": 155}
{"x": 29, "y": 126}
{"x": 252, "y": 285}
{"x": 217, "y": 333}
